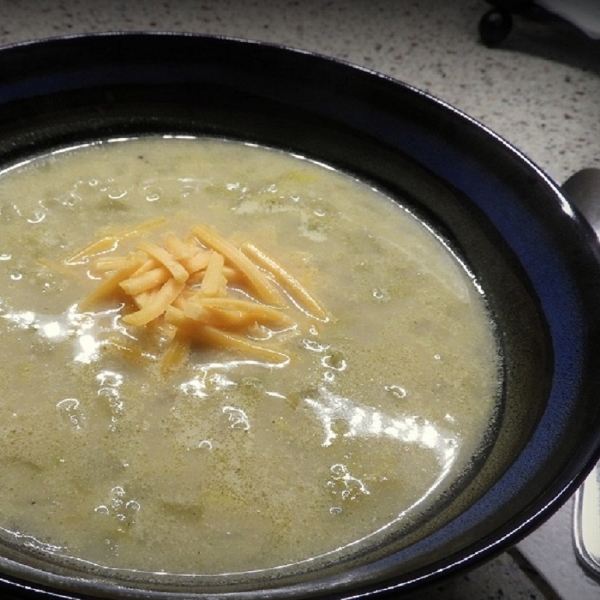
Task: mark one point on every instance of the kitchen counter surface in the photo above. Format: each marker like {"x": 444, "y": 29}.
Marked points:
{"x": 540, "y": 91}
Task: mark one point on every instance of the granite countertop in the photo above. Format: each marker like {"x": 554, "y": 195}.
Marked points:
{"x": 540, "y": 91}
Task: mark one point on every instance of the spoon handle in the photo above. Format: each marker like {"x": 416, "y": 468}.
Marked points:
{"x": 586, "y": 522}
{"x": 583, "y": 189}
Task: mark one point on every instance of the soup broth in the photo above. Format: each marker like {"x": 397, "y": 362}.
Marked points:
{"x": 229, "y": 460}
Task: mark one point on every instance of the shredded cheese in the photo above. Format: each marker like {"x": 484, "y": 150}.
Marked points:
{"x": 263, "y": 288}
{"x": 166, "y": 259}
{"x": 213, "y": 277}
{"x": 111, "y": 241}
{"x": 287, "y": 282}
{"x": 202, "y": 290}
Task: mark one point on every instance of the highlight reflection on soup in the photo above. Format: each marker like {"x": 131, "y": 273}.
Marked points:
{"x": 225, "y": 430}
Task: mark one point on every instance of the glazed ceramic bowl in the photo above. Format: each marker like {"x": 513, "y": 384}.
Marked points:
{"x": 535, "y": 257}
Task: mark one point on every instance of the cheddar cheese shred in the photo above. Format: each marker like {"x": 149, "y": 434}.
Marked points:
{"x": 198, "y": 291}
{"x": 111, "y": 241}
{"x": 291, "y": 285}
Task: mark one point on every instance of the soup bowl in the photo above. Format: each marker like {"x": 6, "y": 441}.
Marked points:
{"x": 534, "y": 255}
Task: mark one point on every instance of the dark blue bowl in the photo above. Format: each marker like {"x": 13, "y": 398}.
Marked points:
{"x": 534, "y": 255}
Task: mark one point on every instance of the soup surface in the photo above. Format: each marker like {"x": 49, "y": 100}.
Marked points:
{"x": 352, "y": 422}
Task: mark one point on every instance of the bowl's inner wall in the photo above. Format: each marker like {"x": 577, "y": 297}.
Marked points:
{"x": 217, "y": 99}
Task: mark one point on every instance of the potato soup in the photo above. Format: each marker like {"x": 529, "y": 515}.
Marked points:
{"x": 220, "y": 358}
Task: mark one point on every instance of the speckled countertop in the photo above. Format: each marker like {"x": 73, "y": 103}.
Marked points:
{"x": 540, "y": 91}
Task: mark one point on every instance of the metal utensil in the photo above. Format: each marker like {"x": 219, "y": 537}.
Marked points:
{"x": 583, "y": 188}
{"x": 586, "y": 522}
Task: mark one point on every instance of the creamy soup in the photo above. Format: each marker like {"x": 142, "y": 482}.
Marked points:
{"x": 295, "y": 438}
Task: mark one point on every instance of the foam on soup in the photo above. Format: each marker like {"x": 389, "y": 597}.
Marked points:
{"x": 228, "y": 460}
